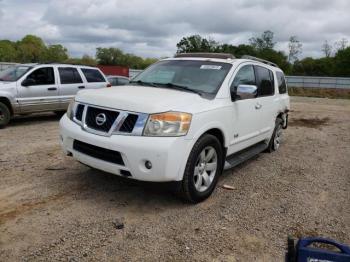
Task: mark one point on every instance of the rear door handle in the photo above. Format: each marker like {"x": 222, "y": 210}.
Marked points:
{"x": 81, "y": 87}
{"x": 258, "y": 106}
{"x": 52, "y": 89}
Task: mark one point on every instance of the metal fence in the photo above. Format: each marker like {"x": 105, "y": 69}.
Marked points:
{"x": 5, "y": 65}
{"x": 318, "y": 82}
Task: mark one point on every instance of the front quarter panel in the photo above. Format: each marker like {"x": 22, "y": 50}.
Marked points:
{"x": 9, "y": 92}
{"x": 203, "y": 122}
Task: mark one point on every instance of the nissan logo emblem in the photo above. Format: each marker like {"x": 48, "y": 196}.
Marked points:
{"x": 101, "y": 119}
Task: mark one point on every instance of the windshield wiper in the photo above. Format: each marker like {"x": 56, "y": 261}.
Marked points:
{"x": 142, "y": 83}
{"x": 180, "y": 87}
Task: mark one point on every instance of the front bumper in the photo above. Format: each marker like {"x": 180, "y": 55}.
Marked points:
{"x": 168, "y": 155}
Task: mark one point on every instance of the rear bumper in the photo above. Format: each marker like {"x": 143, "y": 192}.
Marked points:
{"x": 168, "y": 155}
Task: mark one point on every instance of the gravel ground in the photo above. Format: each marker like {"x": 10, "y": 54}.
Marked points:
{"x": 53, "y": 208}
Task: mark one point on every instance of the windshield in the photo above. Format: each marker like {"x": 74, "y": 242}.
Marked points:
{"x": 198, "y": 76}
{"x": 14, "y": 73}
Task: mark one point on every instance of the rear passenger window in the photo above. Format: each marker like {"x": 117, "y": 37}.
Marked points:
{"x": 282, "y": 86}
{"x": 93, "y": 75}
{"x": 265, "y": 81}
{"x": 69, "y": 75}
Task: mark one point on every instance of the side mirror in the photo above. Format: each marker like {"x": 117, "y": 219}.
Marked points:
{"x": 246, "y": 92}
{"x": 28, "y": 82}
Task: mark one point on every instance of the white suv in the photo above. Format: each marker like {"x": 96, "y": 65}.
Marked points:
{"x": 30, "y": 88}
{"x": 183, "y": 119}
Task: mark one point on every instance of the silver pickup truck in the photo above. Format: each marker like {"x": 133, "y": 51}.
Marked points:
{"x": 30, "y": 88}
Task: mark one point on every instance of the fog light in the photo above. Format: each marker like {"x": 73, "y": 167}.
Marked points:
{"x": 148, "y": 164}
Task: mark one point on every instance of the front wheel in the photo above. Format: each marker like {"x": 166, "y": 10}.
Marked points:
{"x": 5, "y": 115}
{"x": 204, "y": 165}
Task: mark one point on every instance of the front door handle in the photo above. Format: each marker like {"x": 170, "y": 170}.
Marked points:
{"x": 258, "y": 106}
{"x": 81, "y": 87}
{"x": 52, "y": 89}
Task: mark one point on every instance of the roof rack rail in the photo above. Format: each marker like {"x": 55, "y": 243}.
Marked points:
{"x": 259, "y": 60}
{"x": 207, "y": 55}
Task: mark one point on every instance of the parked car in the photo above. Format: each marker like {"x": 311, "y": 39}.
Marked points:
{"x": 29, "y": 88}
{"x": 118, "y": 80}
{"x": 183, "y": 119}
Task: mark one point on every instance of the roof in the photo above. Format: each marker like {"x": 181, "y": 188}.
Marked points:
{"x": 222, "y": 57}
{"x": 207, "y": 55}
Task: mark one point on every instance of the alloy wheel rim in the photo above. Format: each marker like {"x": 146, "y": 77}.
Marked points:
{"x": 205, "y": 169}
{"x": 278, "y": 137}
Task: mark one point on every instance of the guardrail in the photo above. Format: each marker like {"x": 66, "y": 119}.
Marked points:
{"x": 318, "y": 82}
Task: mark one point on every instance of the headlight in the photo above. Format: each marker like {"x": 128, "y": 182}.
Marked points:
{"x": 168, "y": 124}
{"x": 70, "y": 112}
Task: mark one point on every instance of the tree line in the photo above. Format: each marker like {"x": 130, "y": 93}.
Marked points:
{"x": 32, "y": 49}
{"x": 336, "y": 60}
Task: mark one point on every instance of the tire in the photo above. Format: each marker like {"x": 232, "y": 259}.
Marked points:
{"x": 203, "y": 168}
{"x": 275, "y": 140}
{"x": 5, "y": 115}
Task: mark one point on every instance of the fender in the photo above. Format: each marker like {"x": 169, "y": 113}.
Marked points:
{"x": 193, "y": 139}
{"x": 12, "y": 98}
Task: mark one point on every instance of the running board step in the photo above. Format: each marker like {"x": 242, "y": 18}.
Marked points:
{"x": 243, "y": 155}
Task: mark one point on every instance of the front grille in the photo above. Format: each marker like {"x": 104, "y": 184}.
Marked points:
{"x": 79, "y": 112}
{"x": 107, "y": 122}
{"x": 98, "y": 152}
{"x": 91, "y": 118}
{"x": 129, "y": 123}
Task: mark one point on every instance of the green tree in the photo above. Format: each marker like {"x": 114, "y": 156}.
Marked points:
{"x": 8, "y": 52}
{"x": 85, "y": 60}
{"x": 196, "y": 43}
{"x": 114, "y": 56}
{"x": 31, "y": 49}
{"x": 314, "y": 67}
{"x": 265, "y": 41}
{"x": 277, "y": 57}
{"x": 56, "y": 53}
{"x": 109, "y": 56}
{"x": 237, "y": 51}
{"x": 342, "y": 63}
{"x": 295, "y": 49}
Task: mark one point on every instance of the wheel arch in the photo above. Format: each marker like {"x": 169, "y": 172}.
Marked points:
{"x": 7, "y": 102}
{"x": 214, "y": 130}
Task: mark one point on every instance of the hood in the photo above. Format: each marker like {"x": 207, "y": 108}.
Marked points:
{"x": 141, "y": 99}
{"x": 2, "y": 83}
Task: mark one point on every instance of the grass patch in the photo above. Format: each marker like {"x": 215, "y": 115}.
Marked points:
{"x": 319, "y": 92}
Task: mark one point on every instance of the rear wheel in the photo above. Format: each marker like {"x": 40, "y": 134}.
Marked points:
{"x": 203, "y": 168}
{"x": 5, "y": 115}
{"x": 276, "y": 138}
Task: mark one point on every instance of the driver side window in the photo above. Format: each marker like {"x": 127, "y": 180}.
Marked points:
{"x": 245, "y": 76}
{"x": 42, "y": 76}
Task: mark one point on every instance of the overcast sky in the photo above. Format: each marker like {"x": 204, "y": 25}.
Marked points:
{"x": 151, "y": 28}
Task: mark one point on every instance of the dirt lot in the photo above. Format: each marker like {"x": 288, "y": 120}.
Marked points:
{"x": 53, "y": 208}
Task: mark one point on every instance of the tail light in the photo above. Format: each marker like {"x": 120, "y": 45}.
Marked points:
{"x": 108, "y": 85}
